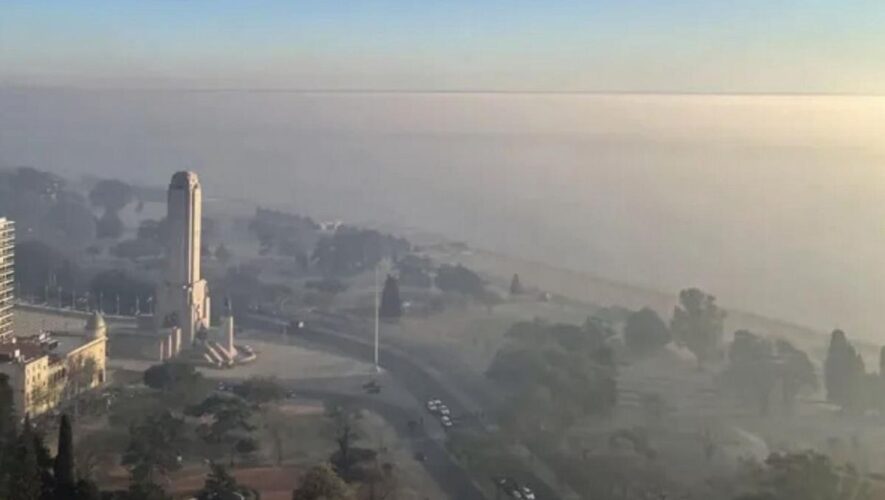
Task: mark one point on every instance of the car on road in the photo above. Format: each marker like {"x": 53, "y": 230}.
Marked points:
{"x": 433, "y": 405}
{"x": 444, "y": 411}
{"x": 446, "y": 421}
{"x": 527, "y": 493}
{"x": 372, "y": 387}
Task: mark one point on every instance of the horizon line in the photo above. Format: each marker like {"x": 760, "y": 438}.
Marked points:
{"x": 452, "y": 91}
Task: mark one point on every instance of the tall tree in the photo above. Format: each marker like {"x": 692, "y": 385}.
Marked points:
{"x": 153, "y": 449}
{"x": 391, "y": 305}
{"x": 65, "y": 482}
{"x": 843, "y": 372}
{"x": 515, "y": 285}
{"x": 796, "y": 372}
{"x": 220, "y": 485}
{"x": 752, "y": 370}
{"x": 645, "y": 332}
{"x": 698, "y": 323}
{"x": 25, "y": 474}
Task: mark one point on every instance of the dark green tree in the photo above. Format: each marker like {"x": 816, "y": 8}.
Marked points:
{"x": 645, "y": 332}
{"x": 797, "y": 372}
{"x": 322, "y": 483}
{"x": 112, "y": 196}
{"x": 459, "y": 279}
{"x": 231, "y": 422}
{"x": 843, "y": 372}
{"x": 153, "y": 450}
{"x": 698, "y": 324}
{"x": 220, "y": 485}
{"x": 86, "y": 490}
{"x": 752, "y": 369}
{"x": 26, "y": 477}
{"x": 808, "y": 475}
{"x": 391, "y": 305}
{"x": 260, "y": 390}
{"x": 65, "y": 482}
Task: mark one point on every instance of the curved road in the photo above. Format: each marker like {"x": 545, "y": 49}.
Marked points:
{"x": 328, "y": 332}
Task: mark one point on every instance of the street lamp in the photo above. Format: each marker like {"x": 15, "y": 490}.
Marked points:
{"x": 383, "y": 262}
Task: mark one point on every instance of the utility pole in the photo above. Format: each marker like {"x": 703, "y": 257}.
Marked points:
{"x": 377, "y": 315}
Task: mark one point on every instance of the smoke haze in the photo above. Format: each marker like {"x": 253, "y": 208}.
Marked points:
{"x": 773, "y": 203}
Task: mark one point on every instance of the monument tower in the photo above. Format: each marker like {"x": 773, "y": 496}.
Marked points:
{"x": 183, "y": 296}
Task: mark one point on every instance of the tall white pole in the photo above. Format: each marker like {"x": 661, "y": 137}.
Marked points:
{"x": 377, "y": 315}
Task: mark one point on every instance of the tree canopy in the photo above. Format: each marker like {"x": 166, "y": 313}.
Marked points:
{"x": 459, "y": 279}
{"x": 698, "y": 324}
{"x": 391, "y": 306}
{"x": 555, "y": 373}
{"x": 322, "y": 483}
{"x": 645, "y": 332}
{"x": 843, "y": 372}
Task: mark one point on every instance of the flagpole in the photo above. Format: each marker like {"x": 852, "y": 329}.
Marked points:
{"x": 377, "y": 316}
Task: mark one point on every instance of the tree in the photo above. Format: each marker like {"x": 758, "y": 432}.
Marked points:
{"x": 153, "y": 449}
{"x": 260, "y": 390}
{"x": 65, "y": 482}
{"x": 843, "y": 372}
{"x": 796, "y": 372}
{"x": 515, "y": 285}
{"x": 223, "y": 254}
{"x": 556, "y": 374}
{"x": 645, "y": 332}
{"x": 115, "y": 283}
{"x": 391, "y": 305}
{"x": 322, "y": 483}
{"x": 86, "y": 490}
{"x": 74, "y": 222}
{"x": 459, "y": 279}
{"x": 26, "y": 477}
{"x": 109, "y": 226}
{"x": 698, "y": 324}
{"x": 752, "y": 371}
{"x": 220, "y": 485}
{"x": 39, "y": 265}
{"x": 808, "y": 475}
{"x": 168, "y": 376}
{"x": 347, "y": 460}
{"x": 111, "y": 195}
{"x": 230, "y": 426}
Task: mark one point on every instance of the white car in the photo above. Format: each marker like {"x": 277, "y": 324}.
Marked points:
{"x": 445, "y": 421}
{"x": 527, "y": 493}
{"x": 433, "y": 405}
{"x": 444, "y": 410}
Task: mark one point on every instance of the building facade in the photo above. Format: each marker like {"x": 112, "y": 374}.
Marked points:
{"x": 7, "y": 278}
{"x": 45, "y": 370}
{"x": 183, "y": 296}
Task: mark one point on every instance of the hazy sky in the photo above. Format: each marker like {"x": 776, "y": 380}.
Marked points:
{"x": 626, "y": 45}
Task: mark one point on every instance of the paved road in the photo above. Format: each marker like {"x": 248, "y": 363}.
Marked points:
{"x": 340, "y": 334}
{"x": 450, "y": 477}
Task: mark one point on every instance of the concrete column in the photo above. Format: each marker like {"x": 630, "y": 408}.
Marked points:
{"x": 162, "y": 351}
{"x": 176, "y": 334}
{"x": 169, "y": 346}
{"x": 229, "y": 336}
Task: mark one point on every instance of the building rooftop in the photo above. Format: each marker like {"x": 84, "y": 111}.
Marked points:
{"x": 21, "y": 350}
{"x": 184, "y": 179}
